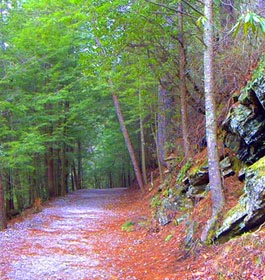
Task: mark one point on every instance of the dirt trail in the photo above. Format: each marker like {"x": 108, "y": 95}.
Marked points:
{"x": 61, "y": 241}
{"x": 77, "y": 237}
{"x": 80, "y": 237}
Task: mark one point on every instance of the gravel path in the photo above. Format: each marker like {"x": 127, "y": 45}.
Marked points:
{"x": 62, "y": 241}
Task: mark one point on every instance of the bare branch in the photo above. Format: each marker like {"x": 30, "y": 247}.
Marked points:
{"x": 192, "y": 7}
{"x": 175, "y": 10}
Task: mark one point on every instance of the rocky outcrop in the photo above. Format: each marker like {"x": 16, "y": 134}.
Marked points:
{"x": 169, "y": 206}
{"x": 250, "y": 211}
{"x": 196, "y": 183}
{"x": 245, "y": 123}
{"x": 259, "y": 89}
{"x": 245, "y": 135}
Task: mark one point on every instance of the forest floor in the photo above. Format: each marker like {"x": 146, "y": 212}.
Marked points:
{"x": 109, "y": 234}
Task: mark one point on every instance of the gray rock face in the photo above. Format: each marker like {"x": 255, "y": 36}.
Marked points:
{"x": 250, "y": 211}
{"x": 226, "y": 167}
{"x": 201, "y": 177}
{"x": 197, "y": 183}
{"x": 166, "y": 212}
{"x": 245, "y": 123}
{"x": 245, "y": 127}
{"x": 259, "y": 89}
{"x": 255, "y": 191}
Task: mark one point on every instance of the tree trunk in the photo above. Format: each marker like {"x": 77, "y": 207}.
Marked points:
{"x": 2, "y": 206}
{"x": 128, "y": 142}
{"x": 74, "y": 178}
{"x": 143, "y": 160}
{"x": 79, "y": 165}
{"x": 10, "y": 205}
{"x": 64, "y": 171}
{"x": 211, "y": 128}
{"x": 64, "y": 158}
{"x": 161, "y": 127}
{"x": 50, "y": 173}
{"x": 155, "y": 136}
{"x": 57, "y": 170}
{"x": 183, "y": 86}
{"x": 110, "y": 180}
{"x": 163, "y": 120}
{"x": 124, "y": 128}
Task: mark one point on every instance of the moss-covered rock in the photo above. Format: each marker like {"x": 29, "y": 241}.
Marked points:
{"x": 169, "y": 206}
{"x": 198, "y": 179}
{"x": 233, "y": 222}
{"x": 255, "y": 191}
{"x": 250, "y": 211}
{"x": 245, "y": 123}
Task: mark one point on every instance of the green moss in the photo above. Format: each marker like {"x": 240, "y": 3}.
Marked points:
{"x": 259, "y": 166}
{"x": 197, "y": 167}
{"x": 155, "y": 201}
{"x": 183, "y": 171}
{"x": 257, "y": 74}
{"x": 237, "y": 164}
{"x": 240, "y": 207}
{"x": 214, "y": 224}
{"x": 166, "y": 193}
{"x": 233, "y": 215}
{"x": 259, "y": 71}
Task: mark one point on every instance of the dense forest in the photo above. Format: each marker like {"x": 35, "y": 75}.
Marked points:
{"x": 103, "y": 94}
{"x": 165, "y": 98}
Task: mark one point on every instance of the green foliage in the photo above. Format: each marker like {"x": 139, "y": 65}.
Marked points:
{"x": 128, "y": 226}
{"x": 55, "y": 84}
{"x": 201, "y": 21}
{"x": 55, "y": 93}
{"x": 249, "y": 21}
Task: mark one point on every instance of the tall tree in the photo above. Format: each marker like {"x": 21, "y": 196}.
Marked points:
{"x": 143, "y": 158}
{"x": 211, "y": 127}
{"x": 107, "y": 20}
{"x": 128, "y": 142}
{"x": 183, "y": 86}
{"x": 2, "y": 206}
{"x": 164, "y": 101}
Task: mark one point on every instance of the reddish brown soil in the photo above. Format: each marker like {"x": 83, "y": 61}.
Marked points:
{"x": 81, "y": 237}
